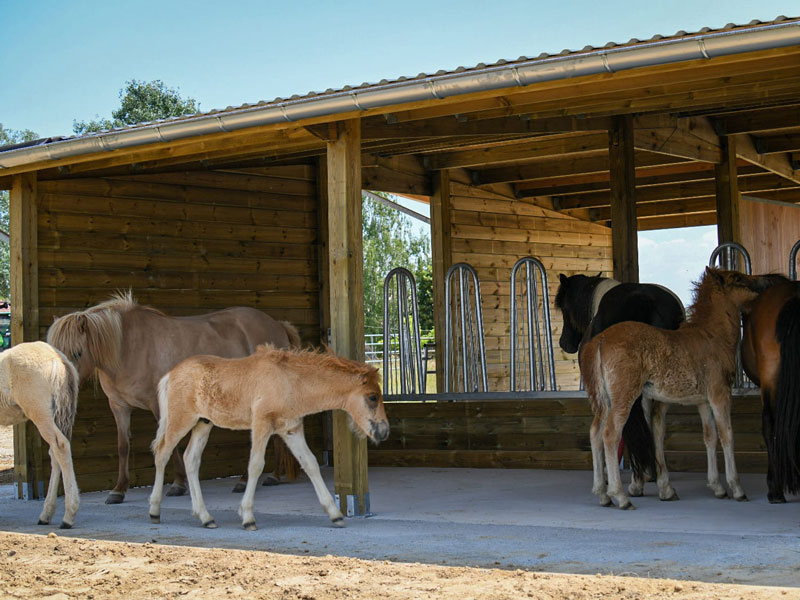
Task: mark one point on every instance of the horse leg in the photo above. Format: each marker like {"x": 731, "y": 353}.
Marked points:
{"x": 122, "y": 415}
{"x": 659, "y": 419}
{"x": 599, "y": 480}
{"x": 192, "y": 456}
{"x": 775, "y": 483}
{"x": 710, "y": 440}
{"x": 52, "y": 491}
{"x": 60, "y": 460}
{"x": 260, "y": 433}
{"x": 167, "y": 438}
{"x": 721, "y": 407}
{"x": 612, "y": 434}
{"x": 178, "y": 487}
{"x": 296, "y": 441}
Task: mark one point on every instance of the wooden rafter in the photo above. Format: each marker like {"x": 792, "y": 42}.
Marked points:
{"x": 763, "y": 119}
{"x": 778, "y": 143}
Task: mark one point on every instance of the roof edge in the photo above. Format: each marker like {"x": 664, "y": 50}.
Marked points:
{"x": 520, "y": 74}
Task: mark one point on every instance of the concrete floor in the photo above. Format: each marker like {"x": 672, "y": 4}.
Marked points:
{"x": 534, "y": 520}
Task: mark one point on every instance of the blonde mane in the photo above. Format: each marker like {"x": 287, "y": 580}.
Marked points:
{"x": 309, "y": 358}
{"x": 96, "y": 331}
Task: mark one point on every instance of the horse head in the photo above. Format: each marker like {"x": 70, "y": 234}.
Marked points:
{"x": 365, "y": 406}
{"x": 739, "y": 288}
{"x": 90, "y": 339}
{"x": 574, "y": 300}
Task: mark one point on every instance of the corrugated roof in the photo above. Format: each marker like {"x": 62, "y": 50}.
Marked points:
{"x": 632, "y": 43}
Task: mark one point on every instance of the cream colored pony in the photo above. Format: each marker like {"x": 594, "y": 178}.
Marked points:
{"x": 37, "y": 382}
{"x": 268, "y": 392}
{"x": 131, "y": 347}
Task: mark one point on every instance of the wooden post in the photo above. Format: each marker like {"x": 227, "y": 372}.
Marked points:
{"x": 623, "y": 199}
{"x": 441, "y": 255}
{"x": 346, "y": 277}
{"x": 324, "y": 292}
{"x": 727, "y": 191}
{"x": 24, "y": 266}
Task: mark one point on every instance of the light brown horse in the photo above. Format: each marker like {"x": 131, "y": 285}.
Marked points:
{"x": 692, "y": 365}
{"x": 37, "y": 382}
{"x": 268, "y": 392}
{"x": 131, "y": 347}
{"x": 771, "y": 358}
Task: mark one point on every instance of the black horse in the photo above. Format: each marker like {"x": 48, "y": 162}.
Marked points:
{"x": 591, "y": 305}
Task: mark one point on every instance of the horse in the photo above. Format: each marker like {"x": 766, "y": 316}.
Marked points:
{"x": 268, "y": 392}
{"x": 591, "y": 305}
{"x": 771, "y": 358}
{"x": 130, "y": 347}
{"x": 39, "y": 383}
{"x": 694, "y": 365}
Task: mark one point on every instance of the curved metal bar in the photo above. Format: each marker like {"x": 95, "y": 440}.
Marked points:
{"x": 793, "y": 261}
{"x": 726, "y": 253}
{"x": 470, "y": 330}
{"x": 408, "y": 369}
{"x": 532, "y": 347}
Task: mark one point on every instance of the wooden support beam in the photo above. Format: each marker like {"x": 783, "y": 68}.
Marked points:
{"x": 777, "y": 163}
{"x": 441, "y": 252}
{"x": 727, "y": 193}
{"x": 762, "y": 119}
{"x": 775, "y": 144}
{"x": 624, "y": 241}
{"x": 346, "y": 301}
{"x": 675, "y": 221}
{"x": 692, "y": 138}
{"x": 794, "y": 160}
{"x": 324, "y": 267}
{"x": 24, "y": 266}
{"x": 517, "y": 151}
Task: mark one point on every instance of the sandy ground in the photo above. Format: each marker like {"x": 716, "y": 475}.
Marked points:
{"x": 55, "y": 567}
{"x": 6, "y": 454}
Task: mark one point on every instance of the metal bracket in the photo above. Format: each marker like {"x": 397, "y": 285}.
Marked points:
{"x": 352, "y": 505}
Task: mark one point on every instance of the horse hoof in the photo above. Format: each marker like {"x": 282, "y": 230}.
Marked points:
{"x": 212, "y": 524}
{"x": 239, "y": 487}
{"x": 627, "y": 506}
{"x": 43, "y": 522}
{"x": 636, "y": 493}
{"x": 251, "y": 526}
{"x": 155, "y": 519}
{"x": 776, "y": 499}
{"x": 338, "y": 522}
{"x": 672, "y": 498}
{"x": 65, "y": 525}
{"x": 606, "y": 503}
{"x": 743, "y": 498}
{"x": 115, "y": 498}
{"x": 176, "y": 490}
{"x": 721, "y": 495}
{"x": 269, "y": 480}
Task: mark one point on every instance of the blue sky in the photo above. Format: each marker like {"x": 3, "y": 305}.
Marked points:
{"x": 66, "y": 60}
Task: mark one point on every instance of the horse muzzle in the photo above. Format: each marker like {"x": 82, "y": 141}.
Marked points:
{"x": 378, "y": 430}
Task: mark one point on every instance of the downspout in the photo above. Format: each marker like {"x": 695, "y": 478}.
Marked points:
{"x": 517, "y": 74}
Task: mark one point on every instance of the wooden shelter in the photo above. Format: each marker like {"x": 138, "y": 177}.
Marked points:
{"x": 563, "y": 157}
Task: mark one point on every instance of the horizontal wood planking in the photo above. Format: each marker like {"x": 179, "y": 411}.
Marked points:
{"x": 186, "y": 243}
{"x": 491, "y": 232}
{"x": 547, "y": 434}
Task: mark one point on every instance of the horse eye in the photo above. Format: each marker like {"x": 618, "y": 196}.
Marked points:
{"x": 372, "y": 399}
{"x": 77, "y": 355}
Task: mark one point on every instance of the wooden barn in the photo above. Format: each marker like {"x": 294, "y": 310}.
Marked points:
{"x": 561, "y": 157}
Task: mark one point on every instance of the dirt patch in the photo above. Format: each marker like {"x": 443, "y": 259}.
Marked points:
{"x": 6, "y": 454}
{"x": 53, "y": 567}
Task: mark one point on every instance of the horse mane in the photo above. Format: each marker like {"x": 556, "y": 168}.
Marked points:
{"x": 96, "y": 330}
{"x": 703, "y": 305}
{"x": 310, "y": 358}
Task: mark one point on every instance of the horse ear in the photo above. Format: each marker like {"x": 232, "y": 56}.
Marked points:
{"x": 562, "y": 278}
{"x": 715, "y": 274}
{"x": 82, "y": 323}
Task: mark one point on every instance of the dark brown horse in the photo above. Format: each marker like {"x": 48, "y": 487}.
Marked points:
{"x": 771, "y": 358}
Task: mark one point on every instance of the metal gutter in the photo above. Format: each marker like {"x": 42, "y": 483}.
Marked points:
{"x": 516, "y": 74}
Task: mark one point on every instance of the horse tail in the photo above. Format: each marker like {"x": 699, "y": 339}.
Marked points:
{"x": 638, "y": 440}
{"x": 292, "y": 334}
{"x": 64, "y": 382}
{"x": 787, "y": 396}
{"x": 163, "y": 412}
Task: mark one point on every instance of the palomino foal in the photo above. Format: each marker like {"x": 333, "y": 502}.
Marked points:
{"x": 268, "y": 392}
{"x": 37, "y": 382}
{"x": 693, "y": 365}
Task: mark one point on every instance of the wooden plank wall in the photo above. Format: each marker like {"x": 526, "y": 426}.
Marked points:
{"x": 491, "y": 231}
{"x": 769, "y": 230}
{"x": 543, "y": 434}
{"x": 186, "y": 243}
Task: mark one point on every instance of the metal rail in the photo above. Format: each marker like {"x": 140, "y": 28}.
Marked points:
{"x": 467, "y": 336}
{"x": 727, "y": 254}
{"x": 528, "y": 350}
{"x": 793, "y": 261}
{"x": 405, "y": 375}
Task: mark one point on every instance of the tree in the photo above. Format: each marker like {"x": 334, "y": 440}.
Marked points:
{"x": 7, "y": 137}
{"x": 141, "y": 102}
{"x": 389, "y": 242}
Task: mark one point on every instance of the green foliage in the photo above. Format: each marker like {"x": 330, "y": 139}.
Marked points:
{"x": 141, "y": 102}
{"x": 389, "y": 242}
{"x": 8, "y": 137}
